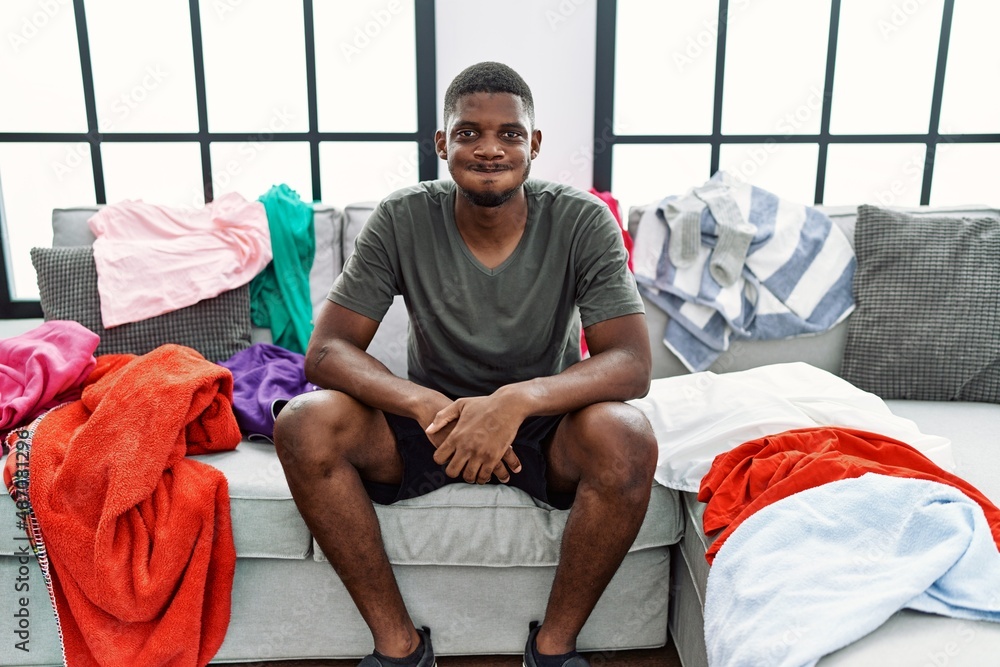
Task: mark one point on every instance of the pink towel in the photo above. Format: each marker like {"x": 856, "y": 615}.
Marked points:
{"x": 155, "y": 259}
{"x": 42, "y": 368}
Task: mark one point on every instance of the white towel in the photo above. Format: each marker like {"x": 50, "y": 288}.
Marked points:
{"x": 820, "y": 569}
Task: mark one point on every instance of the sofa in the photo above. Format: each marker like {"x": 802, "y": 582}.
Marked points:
{"x": 450, "y": 546}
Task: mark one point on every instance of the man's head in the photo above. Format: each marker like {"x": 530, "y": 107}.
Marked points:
{"x": 489, "y": 138}
{"x": 488, "y": 77}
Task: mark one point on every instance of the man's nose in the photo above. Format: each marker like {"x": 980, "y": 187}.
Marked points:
{"x": 489, "y": 149}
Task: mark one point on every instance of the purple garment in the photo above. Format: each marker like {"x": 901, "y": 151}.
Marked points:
{"x": 265, "y": 377}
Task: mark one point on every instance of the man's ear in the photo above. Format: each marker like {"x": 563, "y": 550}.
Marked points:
{"x": 536, "y": 143}
{"x": 440, "y": 144}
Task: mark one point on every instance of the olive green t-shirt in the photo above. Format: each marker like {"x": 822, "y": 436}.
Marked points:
{"x": 474, "y": 329}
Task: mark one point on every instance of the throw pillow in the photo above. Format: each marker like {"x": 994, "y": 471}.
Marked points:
{"x": 218, "y": 328}
{"x": 928, "y": 307}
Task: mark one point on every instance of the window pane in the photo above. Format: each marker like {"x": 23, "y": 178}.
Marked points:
{"x": 886, "y": 57}
{"x": 971, "y": 100}
{"x": 143, "y": 76}
{"x": 35, "y": 178}
{"x": 787, "y": 170}
{"x": 645, "y": 173}
{"x": 255, "y": 65}
{"x": 366, "y": 66}
{"x": 168, "y": 174}
{"x": 354, "y": 171}
{"x": 881, "y": 174}
{"x": 251, "y": 168}
{"x": 961, "y": 175}
{"x": 665, "y": 53}
{"x": 40, "y": 68}
{"x": 775, "y": 67}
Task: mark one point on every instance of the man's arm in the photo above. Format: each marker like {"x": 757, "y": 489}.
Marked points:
{"x": 336, "y": 359}
{"x": 619, "y": 369}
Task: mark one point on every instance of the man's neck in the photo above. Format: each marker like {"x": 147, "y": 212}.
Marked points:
{"x": 492, "y": 233}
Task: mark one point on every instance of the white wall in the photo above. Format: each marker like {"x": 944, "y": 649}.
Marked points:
{"x": 551, "y": 44}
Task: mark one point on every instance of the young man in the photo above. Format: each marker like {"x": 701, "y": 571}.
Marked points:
{"x": 492, "y": 267}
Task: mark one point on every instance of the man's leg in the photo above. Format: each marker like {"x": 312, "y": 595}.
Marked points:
{"x": 607, "y": 451}
{"x": 326, "y": 440}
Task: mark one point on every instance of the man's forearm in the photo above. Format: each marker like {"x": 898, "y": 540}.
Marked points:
{"x": 343, "y": 366}
{"x": 613, "y": 375}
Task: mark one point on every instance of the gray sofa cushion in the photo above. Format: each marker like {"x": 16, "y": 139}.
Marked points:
{"x": 498, "y": 526}
{"x": 928, "y": 307}
{"x": 218, "y": 327}
{"x": 266, "y": 523}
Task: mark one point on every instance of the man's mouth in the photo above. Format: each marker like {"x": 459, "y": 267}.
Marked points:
{"x": 489, "y": 170}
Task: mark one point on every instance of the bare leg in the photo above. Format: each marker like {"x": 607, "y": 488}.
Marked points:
{"x": 325, "y": 441}
{"x": 608, "y": 452}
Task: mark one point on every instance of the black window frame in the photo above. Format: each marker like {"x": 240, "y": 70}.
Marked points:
{"x": 604, "y": 104}
{"x": 426, "y": 73}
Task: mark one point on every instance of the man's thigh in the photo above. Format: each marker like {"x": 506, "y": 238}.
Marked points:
{"x": 593, "y": 440}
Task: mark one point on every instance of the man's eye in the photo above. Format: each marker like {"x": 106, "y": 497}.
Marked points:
{"x": 511, "y": 134}
{"x": 465, "y": 133}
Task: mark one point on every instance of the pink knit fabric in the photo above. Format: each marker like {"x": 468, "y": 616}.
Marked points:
{"x": 155, "y": 259}
{"x": 42, "y": 368}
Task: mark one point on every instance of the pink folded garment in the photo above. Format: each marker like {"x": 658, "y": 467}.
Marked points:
{"x": 154, "y": 259}
{"x": 43, "y": 368}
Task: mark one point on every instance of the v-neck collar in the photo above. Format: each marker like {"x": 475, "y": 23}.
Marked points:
{"x": 451, "y": 225}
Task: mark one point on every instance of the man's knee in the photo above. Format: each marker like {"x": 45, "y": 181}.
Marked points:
{"x": 314, "y": 427}
{"x": 618, "y": 447}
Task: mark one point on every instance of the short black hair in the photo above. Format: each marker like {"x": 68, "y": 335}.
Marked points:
{"x": 488, "y": 77}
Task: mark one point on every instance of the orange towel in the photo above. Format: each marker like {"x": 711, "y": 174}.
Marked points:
{"x": 762, "y": 471}
{"x": 139, "y": 538}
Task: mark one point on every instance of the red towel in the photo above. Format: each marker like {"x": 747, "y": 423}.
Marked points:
{"x": 760, "y": 472}
{"x": 139, "y": 538}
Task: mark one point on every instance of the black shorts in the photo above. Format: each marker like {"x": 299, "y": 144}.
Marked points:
{"x": 421, "y": 474}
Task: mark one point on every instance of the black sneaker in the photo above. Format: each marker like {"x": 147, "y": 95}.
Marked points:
{"x": 575, "y": 660}
{"x": 426, "y": 660}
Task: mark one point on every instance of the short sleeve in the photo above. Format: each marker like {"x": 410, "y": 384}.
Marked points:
{"x": 605, "y": 288}
{"x": 369, "y": 280}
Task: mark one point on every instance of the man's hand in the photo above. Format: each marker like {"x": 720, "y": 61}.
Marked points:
{"x": 478, "y": 433}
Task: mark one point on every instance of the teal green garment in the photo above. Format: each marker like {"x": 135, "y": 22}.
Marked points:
{"x": 279, "y": 295}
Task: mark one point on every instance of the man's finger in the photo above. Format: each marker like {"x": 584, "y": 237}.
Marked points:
{"x": 443, "y": 418}
{"x": 510, "y": 458}
{"x": 501, "y": 472}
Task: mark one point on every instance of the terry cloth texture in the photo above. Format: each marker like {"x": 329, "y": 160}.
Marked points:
{"x": 218, "y": 327}
{"x": 927, "y": 325}
{"x": 825, "y": 567}
{"x": 155, "y": 259}
{"x": 279, "y": 295}
{"x": 138, "y": 537}
{"x": 763, "y": 471}
{"x": 41, "y": 369}
{"x": 265, "y": 377}
{"x": 763, "y": 268}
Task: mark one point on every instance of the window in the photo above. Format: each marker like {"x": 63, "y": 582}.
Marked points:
{"x": 835, "y": 101}
{"x": 180, "y": 101}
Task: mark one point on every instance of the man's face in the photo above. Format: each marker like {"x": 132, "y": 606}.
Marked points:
{"x": 489, "y": 145}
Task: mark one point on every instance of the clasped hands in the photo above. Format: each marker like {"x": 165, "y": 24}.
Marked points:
{"x": 473, "y": 436}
